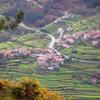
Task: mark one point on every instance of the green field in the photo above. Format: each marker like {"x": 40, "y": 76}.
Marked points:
{"x": 30, "y": 40}
{"x": 71, "y": 79}
{"x": 78, "y": 23}
{"x": 83, "y": 52}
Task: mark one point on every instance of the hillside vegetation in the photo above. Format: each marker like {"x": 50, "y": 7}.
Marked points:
{"x": 42, "y": 12}
{"x": 54, "y": 41}
{"x": 26, "y": 89}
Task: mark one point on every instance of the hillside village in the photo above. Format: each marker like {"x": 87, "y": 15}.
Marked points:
{"x": 54, "y": 41}
{"x": 92, "y": 38}
{"x": 46, "y": 58}
{"x": 49, "y": 58}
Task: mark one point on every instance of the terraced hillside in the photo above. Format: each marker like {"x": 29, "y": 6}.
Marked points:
{"x": 78, "y": 23}
{"x": 30, "y": 40}
{"x": 74, "y": 77}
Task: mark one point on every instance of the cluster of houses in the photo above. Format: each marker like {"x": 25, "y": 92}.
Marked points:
{"x": 22, "y": 52}
{"x": 50, "y": 61}
{"x": 68, "y": 40}
{"x": 93, "y": 37}
{"x": 46, "y": 58}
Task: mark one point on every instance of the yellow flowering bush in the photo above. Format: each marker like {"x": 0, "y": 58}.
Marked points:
{"x": 27, "y": 89}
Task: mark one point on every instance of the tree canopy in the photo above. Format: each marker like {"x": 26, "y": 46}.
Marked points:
{"x": 12, "y": 23}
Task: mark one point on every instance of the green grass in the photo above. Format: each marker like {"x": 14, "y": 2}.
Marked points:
{"x": 61, "y": 81}
{"x": 78, "y": 24}
{"x": 29, "y": 40}
{"x": 83, "y": 52}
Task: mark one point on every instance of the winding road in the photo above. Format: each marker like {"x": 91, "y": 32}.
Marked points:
{"x": 53, "y": 41}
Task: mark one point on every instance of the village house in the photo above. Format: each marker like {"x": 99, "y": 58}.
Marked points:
{"x": 65, "y": 46}
{"x": 96, "y": 43}
{"x": 69, "y": 28}
{"x": 59, "y": 33}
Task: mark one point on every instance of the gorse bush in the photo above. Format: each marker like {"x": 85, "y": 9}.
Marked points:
{"x": 26, "y": 89}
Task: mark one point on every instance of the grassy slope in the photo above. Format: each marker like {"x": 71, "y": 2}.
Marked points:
{"x": 79, "y": 24}
{"x": 83, "y": 52}
{"x": 26, "y": 41}
{"x": 62, "y": 80}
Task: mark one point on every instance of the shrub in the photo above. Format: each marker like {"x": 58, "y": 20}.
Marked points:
{"x": 27, "y": 89}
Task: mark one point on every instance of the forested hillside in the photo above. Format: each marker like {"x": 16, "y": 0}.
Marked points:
{"x": 41, "y": 12}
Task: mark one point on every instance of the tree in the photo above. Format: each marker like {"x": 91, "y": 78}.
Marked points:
{"x": 19, "y": 16}
{"x": 8, "y": 22}
{"x": 2, "y": 24}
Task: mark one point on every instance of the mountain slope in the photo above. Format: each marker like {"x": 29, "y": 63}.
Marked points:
{"x": 41, "y": 12}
